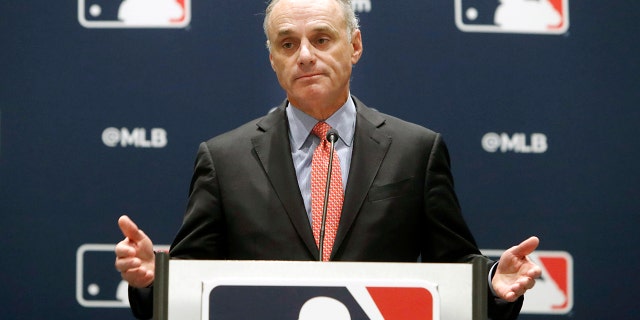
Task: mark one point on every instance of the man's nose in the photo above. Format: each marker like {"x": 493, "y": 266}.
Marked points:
{"x": 306, "y": 55}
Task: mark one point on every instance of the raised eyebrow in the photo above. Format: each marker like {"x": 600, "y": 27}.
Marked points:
{"x": 325, "y": 29}
{"x": 284, "y": 33}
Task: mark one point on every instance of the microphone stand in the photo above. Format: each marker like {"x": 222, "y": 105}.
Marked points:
{"x": 332, "y": 137}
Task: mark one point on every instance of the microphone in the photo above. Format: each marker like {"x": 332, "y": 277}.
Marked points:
{"x": 332, "y": 137}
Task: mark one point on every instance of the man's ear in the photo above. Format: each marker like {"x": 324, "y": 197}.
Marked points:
{"x": 271, "y": 61}
{"x": 356, "y": 43}
{"x": 268, "y": 43}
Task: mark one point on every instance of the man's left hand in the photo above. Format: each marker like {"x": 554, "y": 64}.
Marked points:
{"x": 515, "y": 273}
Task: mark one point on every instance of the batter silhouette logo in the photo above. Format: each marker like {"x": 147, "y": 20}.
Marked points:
{"x": 98, "y": 284}
{"x": 513, "y": 16}
{"x": 553, "y": 292}
{"x": 134, "y": 13}
{"x": 308, "y": 301}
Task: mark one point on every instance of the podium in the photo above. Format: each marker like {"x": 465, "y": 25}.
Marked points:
{"x": 222, "y": 289}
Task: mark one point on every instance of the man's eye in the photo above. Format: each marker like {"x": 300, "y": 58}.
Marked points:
{"x": 287, "y": 45}
{"x": 323, "y": 40}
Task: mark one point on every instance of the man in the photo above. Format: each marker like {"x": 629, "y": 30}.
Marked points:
{"x": 252, "y": 186}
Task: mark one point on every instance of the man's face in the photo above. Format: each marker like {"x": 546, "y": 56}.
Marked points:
{"x": 310, "y": 53}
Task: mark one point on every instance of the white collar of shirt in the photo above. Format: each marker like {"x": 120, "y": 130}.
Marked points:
{"x": 301, "y": 124}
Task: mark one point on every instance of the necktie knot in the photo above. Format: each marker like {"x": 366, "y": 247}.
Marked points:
{"x": 320, "y": 130}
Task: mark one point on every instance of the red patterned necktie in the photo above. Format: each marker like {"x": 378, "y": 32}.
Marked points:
{"x": 319, "y": 167}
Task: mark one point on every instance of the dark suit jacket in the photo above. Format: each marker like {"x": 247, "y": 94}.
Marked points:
{"x": 399, "y": 204}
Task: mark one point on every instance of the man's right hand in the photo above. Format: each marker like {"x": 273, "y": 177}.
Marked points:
{"x": 134, "y": 255}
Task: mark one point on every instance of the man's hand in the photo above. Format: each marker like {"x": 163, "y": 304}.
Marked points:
{"x": 134, "y": 255}
{"x": 515, "y": 273}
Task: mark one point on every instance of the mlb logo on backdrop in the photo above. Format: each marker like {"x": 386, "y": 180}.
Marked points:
{"x": 513, "y": 16}
{"x": 98, "y": 284}
{"x": 553, "y": 292}
{"x": 134, "y": 13}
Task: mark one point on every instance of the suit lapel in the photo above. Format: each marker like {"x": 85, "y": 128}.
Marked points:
{"x": 273, "y": 149}
{"x": 370, "y": 147}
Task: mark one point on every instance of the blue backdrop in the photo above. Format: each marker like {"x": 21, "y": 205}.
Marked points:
{"x": 99, "y": 117}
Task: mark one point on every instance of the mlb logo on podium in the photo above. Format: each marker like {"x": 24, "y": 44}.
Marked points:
{"x": 308, "y": 301}
{"x": 513, "y": 16}
{"x": 134, "y": 13}
{"x": 553, "y": 292}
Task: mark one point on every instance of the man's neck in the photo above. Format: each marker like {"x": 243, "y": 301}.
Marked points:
{"x": 319, "y": 109}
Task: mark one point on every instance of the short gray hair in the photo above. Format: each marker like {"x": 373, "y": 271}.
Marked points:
{"x": 346, "y": 6}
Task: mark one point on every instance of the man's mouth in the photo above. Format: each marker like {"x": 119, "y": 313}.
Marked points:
{"x": 308, "y": 76}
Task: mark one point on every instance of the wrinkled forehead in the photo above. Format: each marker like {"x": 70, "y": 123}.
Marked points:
{"x": 287, "y": 16}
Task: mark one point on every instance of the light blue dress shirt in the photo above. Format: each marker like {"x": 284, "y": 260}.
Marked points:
{"x": 303, "y": 144}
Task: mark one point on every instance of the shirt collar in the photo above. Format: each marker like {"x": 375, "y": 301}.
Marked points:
{"x": 300, "y": 123}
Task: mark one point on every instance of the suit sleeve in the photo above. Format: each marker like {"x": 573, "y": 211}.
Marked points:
{"x": 141, "y": 302}
{"x": 449, "y": 238}
{"x": 202, "y": 234}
